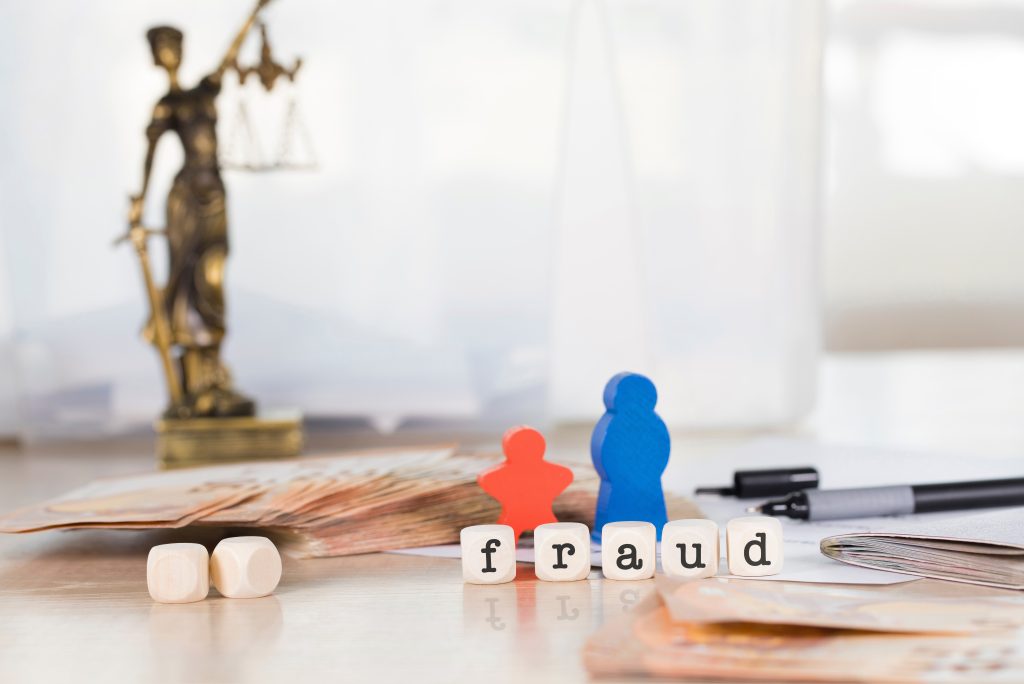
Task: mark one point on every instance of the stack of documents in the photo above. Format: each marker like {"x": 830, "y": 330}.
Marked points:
{"x": 985, "y": 548}
{"x": 729, "y": 629}
{"x": 329, "y": 506}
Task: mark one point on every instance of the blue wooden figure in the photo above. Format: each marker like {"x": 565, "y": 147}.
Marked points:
{"x": 630, "y": 448}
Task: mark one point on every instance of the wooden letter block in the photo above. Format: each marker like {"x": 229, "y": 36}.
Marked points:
{"x": 628, "y": 550}
{"x": 754, "y": 546}
{"x": 245, "y": 567}
{"x": 562, "y": 551}
{"x": 488, "y": 554}
{"x": 178, "y": 573}
{"x": 689, "y": 548}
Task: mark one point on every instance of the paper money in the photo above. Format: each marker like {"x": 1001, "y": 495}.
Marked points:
{"x": 326, "y": 506}
{"x": 722, "y": 600}
{"x": 649, "y": 642}
{"x": 981, "y": 548}
{"x": 171, "y": 499}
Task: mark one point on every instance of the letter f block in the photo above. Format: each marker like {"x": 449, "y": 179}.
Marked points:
{"x": 488, "y": 554}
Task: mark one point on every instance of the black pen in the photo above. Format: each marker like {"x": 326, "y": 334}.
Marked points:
{"x": 870, "y": 502}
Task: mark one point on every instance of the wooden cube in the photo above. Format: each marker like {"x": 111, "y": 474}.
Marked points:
{"x": 689, "y": 548}
{"x": 562, "y": 551}
{"x": 628, "y": 550}
{"x": 754, "y": 546}
{"x": 245, "y": 567}
{"x": 488, "y": 554}
{"x": 178, "y": 573}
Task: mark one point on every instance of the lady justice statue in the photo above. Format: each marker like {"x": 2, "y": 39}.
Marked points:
{"x": 187, "y": 315}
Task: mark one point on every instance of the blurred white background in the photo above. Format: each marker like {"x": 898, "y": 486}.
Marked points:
{"x": 515, "y": 201}
{"x": 925, "y": 194}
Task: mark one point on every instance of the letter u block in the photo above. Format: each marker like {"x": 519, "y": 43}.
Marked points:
{"x": 488, "y": 554}
{"x": 562, "y": 551}
{"x": 754, "y": 546}
{"x": 689, "y": 548}
{"x": 628, "y": 550}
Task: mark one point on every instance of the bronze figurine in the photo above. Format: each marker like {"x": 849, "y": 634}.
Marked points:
{"x": 207, "y": 420}
{"x": 187, "y": 320}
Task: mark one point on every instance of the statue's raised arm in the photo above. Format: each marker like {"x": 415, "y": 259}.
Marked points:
{"x": 232, "y": 54}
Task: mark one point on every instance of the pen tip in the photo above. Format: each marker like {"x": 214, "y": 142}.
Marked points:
{"x": 753, "y": 509}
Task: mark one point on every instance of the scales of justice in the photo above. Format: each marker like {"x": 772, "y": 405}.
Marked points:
{"x": 208, "y": 419}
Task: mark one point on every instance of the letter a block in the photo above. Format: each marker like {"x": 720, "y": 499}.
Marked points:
{"x": 689, "y": 548}
{"x": 488, "y": 554}
{"x": 754, "y": 546}
{"x": 628, "y": 550}
{"x": 562, "y": 551}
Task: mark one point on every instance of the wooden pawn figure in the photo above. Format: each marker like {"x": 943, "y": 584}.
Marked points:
{"x": 525, "y": 484}
{"x": 630, "y": 449}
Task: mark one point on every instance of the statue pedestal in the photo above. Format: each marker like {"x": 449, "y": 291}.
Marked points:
{"x": 211, "y": 441}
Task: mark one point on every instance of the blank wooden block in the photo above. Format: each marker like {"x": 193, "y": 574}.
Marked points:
{"x": 689, "y": 548}
{"x": 754, "y": 546}
{"x": 245, "y": 567}
{"x": 562, "y": 551}
{"x": 178, "y": 573}
{"x": 488, "y": 554}
{"x": 628, "y": 550}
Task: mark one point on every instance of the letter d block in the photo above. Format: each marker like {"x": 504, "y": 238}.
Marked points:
{"x": 488, "y": 554}
{"x": 562, "y": 551}
{"x": 754, "y": 546}
{"x": 628, "y": 550}
{"x": 689, "y": 548}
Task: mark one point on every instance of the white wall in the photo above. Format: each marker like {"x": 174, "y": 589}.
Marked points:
{"x": 926, "y": 174}
{"x": 488, "y": 172}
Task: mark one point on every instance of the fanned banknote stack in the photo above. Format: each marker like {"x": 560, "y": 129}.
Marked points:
{"x": 980, "y": 548}
{"x": 327, "y": 506}
{"x": 742, "y": 630}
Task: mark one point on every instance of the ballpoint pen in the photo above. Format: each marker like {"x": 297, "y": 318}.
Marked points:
{"x": 865, "y": 502}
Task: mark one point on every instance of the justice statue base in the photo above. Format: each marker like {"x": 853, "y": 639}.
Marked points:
{"x": 183, "y": 443}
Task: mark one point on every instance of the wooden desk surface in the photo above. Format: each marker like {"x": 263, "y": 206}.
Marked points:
{"x": 74, "y": 606}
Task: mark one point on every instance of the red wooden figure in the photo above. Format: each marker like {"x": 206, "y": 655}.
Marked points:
{"x": 525, "y": 484}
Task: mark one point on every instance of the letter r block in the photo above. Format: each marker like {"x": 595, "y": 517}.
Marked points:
{"x": 754, "y": 546}
{"x": 562, "y": 551}
{"x": 488, "y": 554}
{"x": 689, "y": 548}
{"x": 628, "y": 550}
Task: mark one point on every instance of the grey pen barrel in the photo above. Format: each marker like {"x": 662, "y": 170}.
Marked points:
{"x": 867, "y": 502}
